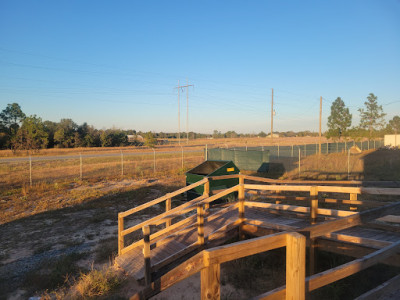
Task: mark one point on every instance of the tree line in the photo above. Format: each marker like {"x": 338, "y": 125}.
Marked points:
{"x": 21, "y": 132}
{"x": 372, "y": 121}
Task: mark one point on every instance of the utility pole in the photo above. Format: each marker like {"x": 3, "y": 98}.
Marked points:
{"x": 272, "y": 114}
{"x": 320, "y": 117}
{"x": 187, "y": 110}
{"x": 179, "y": 118}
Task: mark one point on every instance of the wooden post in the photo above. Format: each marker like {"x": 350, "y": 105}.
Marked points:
{"x": 210, "y": 282}
{"x": 168, "y": 208}
{"x": 345, "y": 146}
{"x": 241, "y": 205}
{"x": 146, "y": 254}
{"x": 327, "y": 148}
{"x": 316, "y": 148}
{"x": 374, "y": 145}
{"x": 353, "y": 197}
{"x": 200, "y": 224}
{"x": 313, "y": 204}
{"x": 206, "y": 158}
{"x": 30, "y": 170}
{"x": 295, "y": 266}
{"x": 120, "y": 236}
{"x": 337, "y": 147}
{"x": 292, "y": 150}
{"x": 299, "y": 161}
{"x": 206, "y": 193}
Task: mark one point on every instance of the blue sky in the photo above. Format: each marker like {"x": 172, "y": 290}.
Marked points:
{"x": 117, "y": 63}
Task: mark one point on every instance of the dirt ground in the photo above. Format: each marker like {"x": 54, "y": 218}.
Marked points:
{"x": 38, "y": 250}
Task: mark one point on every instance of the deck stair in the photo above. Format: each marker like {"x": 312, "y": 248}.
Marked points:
{"x": 187, "y": 239}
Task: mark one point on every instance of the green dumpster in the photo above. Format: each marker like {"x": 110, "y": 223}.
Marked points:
{"x": 211, "y": 168}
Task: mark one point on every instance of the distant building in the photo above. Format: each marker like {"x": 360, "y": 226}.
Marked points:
{"x": 392, "y": 140}
{"x": 274, "y": 135}
{"x": 132, "y": 138}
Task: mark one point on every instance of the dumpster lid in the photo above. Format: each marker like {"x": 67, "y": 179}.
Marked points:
{"x": 208, "y": 167}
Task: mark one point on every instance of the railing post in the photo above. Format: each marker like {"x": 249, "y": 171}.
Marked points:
{"x": 200, "y": 224}
{"x": 353, "y": 197}
{"x": 206, "y": 193}
{"x": 146, "y": 254}
{"x": 295, "y": 266}
{"x": 120, "y": 236}
{"x": 168, "y": 208}
{"x": 313, "y": 204}
{"x": 210, "y": 282}
{"x": 241, "y": 205}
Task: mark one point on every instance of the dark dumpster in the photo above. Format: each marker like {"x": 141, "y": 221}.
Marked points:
{"x": 211, "y": 168}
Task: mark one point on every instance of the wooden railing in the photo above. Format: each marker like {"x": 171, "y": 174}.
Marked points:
{"x": 208, "y": 263}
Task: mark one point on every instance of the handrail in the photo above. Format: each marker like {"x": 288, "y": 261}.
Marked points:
{"x": 208, "y": 262}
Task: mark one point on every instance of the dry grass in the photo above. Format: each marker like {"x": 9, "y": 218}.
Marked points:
{"x": 370, "y": 165}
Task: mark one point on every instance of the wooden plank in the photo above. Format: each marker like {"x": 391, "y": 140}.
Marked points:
{"x": 241, "y": 249}
{"x": 154, "y": 220}
{"x": 184, "y": 270}
{"x": 381, "y": 289}
{"x": 350, "y": 221}
{"x": 301, "y": 209}
{"x": 167, "y": 209}
{"x": 210, "y": 282}
{"x": 295, "y": 266}
{"x": 390, "y": 218}
{"x": 377, "y": 244}
{"x": 294, "y": 188}
{"x": 324, "y": 278}
{"x": 163, "y": 198}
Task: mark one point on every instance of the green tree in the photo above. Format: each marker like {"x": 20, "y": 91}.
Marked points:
{"x": 372, "y": 116}
{"x": 10, "y": 120}
{"x": 31, "y": 135}
{"x": 339, "y": 120}
{"x": 394, "y": 125}
{"x": 64, "y": 136}
{"x": 149, "y": 140}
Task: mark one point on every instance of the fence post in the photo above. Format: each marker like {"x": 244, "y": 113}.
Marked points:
{"x": 327, "y": 148}
{"x": 182, "y": 157}
{"x": 120, "y": 236}
{"x": 313, "y": 204}
{"x": 80, "y": 159}
{"x": 210, "y": 282}
{"x": 348, "y": 166}
{"x": 345, "y": 146}
{"x": 299, "y": 161}
{"x": 122, "y": 164}
{"x": 316, "y": 148}
{"x": 146, "y": 254}
{"x": 168, "y": 208}
{"x": 295, "y": 266}
{"x": 206, "y": 152}
{"x": 278, "y": 151}
{"x": 200, "y": 225}
{"x": 30, "y": 170}
{"x": 374, "y": 145}
{"x": 368, "y": 144}
{"x": 292, "y": 150}
{"x": 154, "y": 160}
{"x": 241, "y": 205}
{"x": 337, "y": 147}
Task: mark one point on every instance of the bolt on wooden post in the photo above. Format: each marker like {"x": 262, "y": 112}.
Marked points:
{"x": 200, "y": 225}
{"x": 146, "y": 254}
{"x": 295, "y": 266}
{"x": 241, "y": 196}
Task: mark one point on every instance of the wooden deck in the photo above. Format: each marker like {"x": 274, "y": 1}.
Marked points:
{"x": 180, "y": 249}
